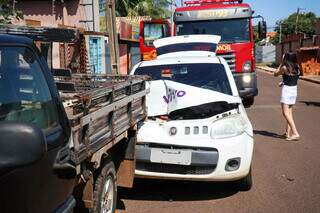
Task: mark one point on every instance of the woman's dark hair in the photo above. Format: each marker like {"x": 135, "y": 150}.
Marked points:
{"x": 290, "y": 61}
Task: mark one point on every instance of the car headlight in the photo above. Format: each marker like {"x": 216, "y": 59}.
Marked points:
{"x": 246, "y": 66}
{"x": 228, "y": 127}
{"x": 246, "y": 78}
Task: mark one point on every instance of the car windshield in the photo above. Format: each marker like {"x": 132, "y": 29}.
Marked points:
{"x": 231, "y": 30}
{"x": 207, "y": 76}
{"x": 154, "y": 31}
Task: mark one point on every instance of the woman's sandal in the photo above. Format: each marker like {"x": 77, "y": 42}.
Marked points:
{"x": 293, "y": 138}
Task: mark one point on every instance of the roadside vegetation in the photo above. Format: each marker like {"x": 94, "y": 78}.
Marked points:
{"x": 305, "y": 25}
{"x": 154, "y": 8}
{"x": 8, "y": 11}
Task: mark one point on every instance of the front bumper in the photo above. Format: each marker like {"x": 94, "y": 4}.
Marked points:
{"x": 246, "y": 89}
{"x": 208, "y": 161}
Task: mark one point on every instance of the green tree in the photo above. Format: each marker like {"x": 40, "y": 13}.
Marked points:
{"x": 153, "y": 8}
{"x": 305, "y": 25}
{"x": 8, "y": 11}
{"x": 255, "y": 34}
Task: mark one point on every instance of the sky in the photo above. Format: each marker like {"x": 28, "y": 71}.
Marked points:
{"x": 274, "y": 10}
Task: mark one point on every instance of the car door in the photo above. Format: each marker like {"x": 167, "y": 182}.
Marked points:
{"x": 25, "y": 97}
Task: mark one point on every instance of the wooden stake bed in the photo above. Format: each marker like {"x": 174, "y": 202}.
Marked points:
{"x": 101, "y": 108}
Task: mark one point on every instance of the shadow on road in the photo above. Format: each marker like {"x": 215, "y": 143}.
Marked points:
{"x": 311, "y": 103}
{"x": 168, "y": 190}
{"x": 267, "y": 133}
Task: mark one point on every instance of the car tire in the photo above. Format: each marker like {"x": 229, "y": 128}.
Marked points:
{"x": 245, "y": 184}
{"x": 248, "y": 102}
{"x": 105, "y": 190}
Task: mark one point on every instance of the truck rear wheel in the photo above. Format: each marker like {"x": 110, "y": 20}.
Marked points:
{"x": 105, "y": 190}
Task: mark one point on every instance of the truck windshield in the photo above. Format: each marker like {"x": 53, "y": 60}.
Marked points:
{"x": 230, "y": 30}
{"x": 24, "y": 93}
{"x": 207, "y": 76}
{"x": 154, "y": 31}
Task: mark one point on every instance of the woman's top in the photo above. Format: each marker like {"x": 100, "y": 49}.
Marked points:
{"x": 290, "y": 80}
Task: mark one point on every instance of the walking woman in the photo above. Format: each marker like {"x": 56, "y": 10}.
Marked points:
{"x": 289, "y": 69}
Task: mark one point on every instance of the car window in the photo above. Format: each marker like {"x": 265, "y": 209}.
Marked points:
{"x": 24, "y": 93}
{"x": 207, "y": 76}
{"x": 194, "y": 46}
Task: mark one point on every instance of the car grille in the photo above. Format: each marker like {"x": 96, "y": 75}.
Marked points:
{"x": 175, "y": 169}
{"x": 231, "y": 60}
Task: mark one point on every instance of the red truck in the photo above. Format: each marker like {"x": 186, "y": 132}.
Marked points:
{"x": 232, "y": 20}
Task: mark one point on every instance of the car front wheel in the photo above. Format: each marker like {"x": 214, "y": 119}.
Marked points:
{"x": 245, "y": 183}
{"x": 248, "y": 102}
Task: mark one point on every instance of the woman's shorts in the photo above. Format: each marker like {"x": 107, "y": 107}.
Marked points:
{"x": 289, "y": 95}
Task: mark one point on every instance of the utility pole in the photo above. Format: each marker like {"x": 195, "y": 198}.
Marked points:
{"x": 112, "y": 36}
{"x": 297, "y": 19}
{"x": 172, "y": 14}
{"x": 280, "y": 37}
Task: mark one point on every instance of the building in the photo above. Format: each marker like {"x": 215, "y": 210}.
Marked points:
{"x": 91, "y": 53}
{"x": 54, "y": 13}
{"x": 80, "y": 14}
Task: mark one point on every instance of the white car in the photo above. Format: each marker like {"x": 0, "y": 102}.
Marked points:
{"x": 197, "y": 127}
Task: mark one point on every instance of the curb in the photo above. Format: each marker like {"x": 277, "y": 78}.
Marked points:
{"x": 272, "y": 70}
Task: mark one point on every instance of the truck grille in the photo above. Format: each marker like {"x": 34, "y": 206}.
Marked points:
{"x": 231, "y": 60}
{"x": 175, "y": 169}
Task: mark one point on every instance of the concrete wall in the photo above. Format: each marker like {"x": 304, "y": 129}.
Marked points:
{"x": 265, "y": 54}
{"x": 75, "y": 13}
{"x": 52, "y": 15}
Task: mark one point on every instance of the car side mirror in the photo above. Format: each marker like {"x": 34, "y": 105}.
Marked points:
{"x": 21, "y": 144}
{"x": 262, "y": 29}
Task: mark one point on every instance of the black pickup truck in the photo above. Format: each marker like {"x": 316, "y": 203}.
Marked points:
{"x": 65, "y": 140}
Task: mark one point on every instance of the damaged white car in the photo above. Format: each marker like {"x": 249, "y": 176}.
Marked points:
{"x": 197, "y": 127}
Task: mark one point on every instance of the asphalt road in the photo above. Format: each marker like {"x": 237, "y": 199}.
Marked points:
{"x": 286, "y": 174}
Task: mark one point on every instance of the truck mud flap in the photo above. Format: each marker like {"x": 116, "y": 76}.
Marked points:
{"x": 125, "y": 172}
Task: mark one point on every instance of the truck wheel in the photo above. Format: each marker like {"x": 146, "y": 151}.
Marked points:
{"x": 248, "y": 102}
{"x": 105, "y": 190}
{"x": 245, "y": 183}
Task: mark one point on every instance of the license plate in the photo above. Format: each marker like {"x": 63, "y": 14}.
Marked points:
{"x": 171, "y": 156}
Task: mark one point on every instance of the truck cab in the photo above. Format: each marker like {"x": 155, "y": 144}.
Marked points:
{"x": 67, "y": 139}
{"x": 34, "y": 131}
{"x": 150, "y": 30}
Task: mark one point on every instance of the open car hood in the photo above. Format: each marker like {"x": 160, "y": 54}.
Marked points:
{"x": 167, "y": 96}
